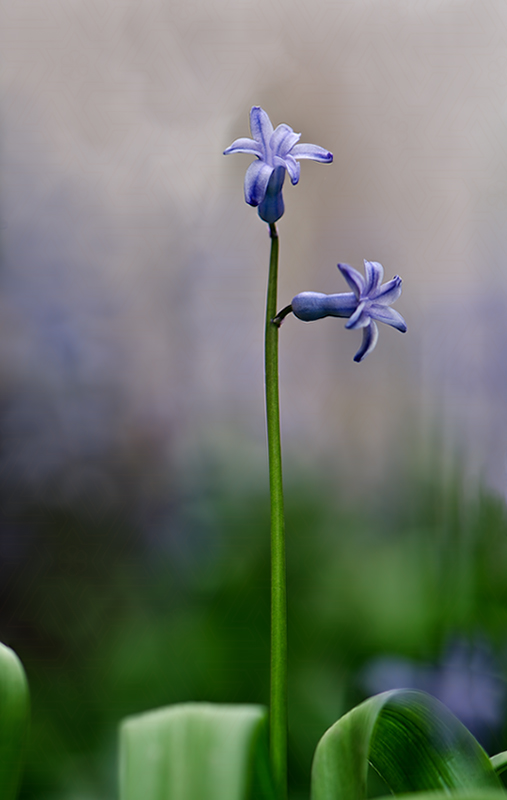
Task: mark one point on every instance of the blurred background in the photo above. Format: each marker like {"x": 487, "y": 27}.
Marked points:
{"x": 134, "y": 512}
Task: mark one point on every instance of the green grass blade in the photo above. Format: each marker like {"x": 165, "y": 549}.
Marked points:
{"x": 196, "y": 751}
{"x": 14, "y": 714}
{"x": 413, "y": 741}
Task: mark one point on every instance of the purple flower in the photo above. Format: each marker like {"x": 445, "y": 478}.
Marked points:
{"x": 369, "y": 301}
{"x": 276, "y": 151}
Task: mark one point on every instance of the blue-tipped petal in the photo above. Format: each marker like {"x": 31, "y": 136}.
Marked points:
{"x": 256, "y": 182}
{"x": 244, "y": 145}
{"x": 389, "y": 316}
{"x": 293, "y": 168}
{"x": 370, "y": 337}
{"x": 389, "y": 292}
{"x": 374, "y": 272}
{"x": 261, "y": 127}
{"x": 283, "y": 140}
{"x": 354, "y": 279}
{"x": 312, "y": 151}
{"x": 272, "y": 206}
{"x": 279, "y": 162}
{"x": 359, "y": 318}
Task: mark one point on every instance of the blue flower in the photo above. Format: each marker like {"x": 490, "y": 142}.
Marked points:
{"x": 276, "y": 151}
{"x": 369, "y": 301}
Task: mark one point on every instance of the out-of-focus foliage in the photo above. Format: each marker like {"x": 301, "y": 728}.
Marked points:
{"x": 110, "y": 621}
{"x": 14, "y": 713}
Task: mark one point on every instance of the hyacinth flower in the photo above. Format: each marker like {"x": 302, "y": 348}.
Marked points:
{"x": 369, "y": 300}
{"x": 276, "y": 150}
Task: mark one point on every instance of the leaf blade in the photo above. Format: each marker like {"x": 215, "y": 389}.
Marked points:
{"x": 195, "y": 750}
{"x": 14, "y": 714}
{"x": 411, "y": 739}
{"x": 499, "y": 763}
{"x": 462, "y": 794}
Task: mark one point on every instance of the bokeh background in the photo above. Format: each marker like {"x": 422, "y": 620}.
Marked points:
{"x": 134, "y": 512}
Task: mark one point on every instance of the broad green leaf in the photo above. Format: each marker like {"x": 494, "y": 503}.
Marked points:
{"x": 14, "y": 714}
{"x": 411, "y": 739}
{"x": 500, "y": 765}
{"x": 196, "y": 751}
{"x": 459, "y": 794}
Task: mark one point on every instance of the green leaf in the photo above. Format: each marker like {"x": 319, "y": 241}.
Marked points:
{"x": 411, "y": 739}
{"x": 196, "y": 751}
{"x": 500, "y": 765}
{"x": 14, "y": 714}
{"x": 460, "y": 794}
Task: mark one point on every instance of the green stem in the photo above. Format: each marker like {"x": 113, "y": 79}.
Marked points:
{"x": 278, "y": 700}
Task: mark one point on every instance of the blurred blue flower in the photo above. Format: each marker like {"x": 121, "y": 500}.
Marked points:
{"x": 467, "y": 679}
{"x": 276, "y": 151}
{"x": 369, "y": 301}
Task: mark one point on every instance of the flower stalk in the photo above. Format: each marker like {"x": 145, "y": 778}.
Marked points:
{"x": 277, "y": 151}
{"x": 278, "y": 674}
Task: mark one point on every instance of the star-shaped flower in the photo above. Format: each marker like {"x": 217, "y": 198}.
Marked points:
{"x": 369, "y": 301}
{"x": 276, "y": 151}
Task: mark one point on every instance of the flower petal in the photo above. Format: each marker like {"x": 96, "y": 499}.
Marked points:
{"x": 370, "y": 337}
{"x": 374, "y": 273}
{"x": 360, "y": 318}
{"x": 244, "y": 146}
{"x": 283, "y": 139}
{"x": 293, "y": 168}
{"x": 388, "y": 292}
{"x": 256, "y": 182}
{"x": 272, "y": 206}
{"x": 261, "y": 127}
{"x": 312, "y": 151}
{"x": 387, "y": 315}
{"x": 354, "y": 278}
